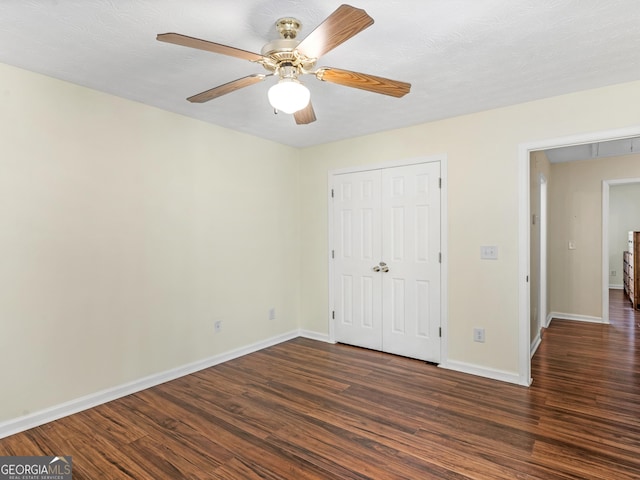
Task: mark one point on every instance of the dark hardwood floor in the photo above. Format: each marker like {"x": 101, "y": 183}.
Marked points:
{"x": 310, "y": 410}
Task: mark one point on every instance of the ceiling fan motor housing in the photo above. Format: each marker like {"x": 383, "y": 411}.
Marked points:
{"x": 282, "y": 52}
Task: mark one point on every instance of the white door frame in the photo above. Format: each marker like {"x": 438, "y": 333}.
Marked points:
{"x": 606, "y": 184}
{"x": 524, "y": 212}
{"x": 541, "y": 319}
{"x": 542, "y": 294}
{"x": 444, "y": 312}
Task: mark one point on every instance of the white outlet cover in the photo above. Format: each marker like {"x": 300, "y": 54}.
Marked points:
{"x": 478, "y": 335}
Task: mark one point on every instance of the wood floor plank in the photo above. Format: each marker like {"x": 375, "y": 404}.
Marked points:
{"x": 310, "y": 410}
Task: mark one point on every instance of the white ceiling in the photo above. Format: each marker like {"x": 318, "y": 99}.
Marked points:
{"x": 590, "y": 151}
{"x": 460, "y": 56}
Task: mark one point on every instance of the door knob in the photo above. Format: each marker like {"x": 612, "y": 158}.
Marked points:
{"x": 385, "y": 269}
{"x": 376, "y": 268}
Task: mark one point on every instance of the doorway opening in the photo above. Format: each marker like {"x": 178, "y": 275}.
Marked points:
{"x": 524, "y": 247}
{"x": 607, "y": 215}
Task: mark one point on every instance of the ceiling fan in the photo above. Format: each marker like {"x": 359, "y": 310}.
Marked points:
{"x": 289, "y": 58}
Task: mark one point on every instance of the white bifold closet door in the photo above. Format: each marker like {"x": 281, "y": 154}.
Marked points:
{"x": 386, "y": 260}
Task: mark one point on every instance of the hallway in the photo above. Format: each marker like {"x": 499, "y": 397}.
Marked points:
{"x": 589, "y": 376}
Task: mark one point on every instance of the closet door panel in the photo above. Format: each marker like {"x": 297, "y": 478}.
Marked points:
{"x": 357, "y": 242}
{"x": 410, "y": 206}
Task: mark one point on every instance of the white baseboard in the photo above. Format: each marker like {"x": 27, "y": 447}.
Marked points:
{"x": 571, "y": 316}
{"x": 321, "y": 337}
{"x": 548, "y": 321}
{"x": 50, "y": 414}
{"x": 484, "y": 372}
{"x": 617, "y": 287}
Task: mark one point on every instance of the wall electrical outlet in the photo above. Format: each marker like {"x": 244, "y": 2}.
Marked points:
{"x": 478, "y": 335}
{"x": 613, "y": 273}
{"x": 217, "y": 326}
{"x": 272, "y": 313}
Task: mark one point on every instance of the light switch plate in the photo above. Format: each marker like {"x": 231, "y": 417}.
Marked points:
{"x": 489, "y": 252}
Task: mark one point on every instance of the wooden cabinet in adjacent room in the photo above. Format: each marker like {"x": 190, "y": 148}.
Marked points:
{"x": 631, "y": 269}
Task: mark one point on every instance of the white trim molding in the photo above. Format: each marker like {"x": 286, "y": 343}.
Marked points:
{"x": 575, "y": 317}
{"x": 503, "y": 376}
{"x": 543, "y": 303}
{"x": 320, "y": 337}
{"x": 549, "y": 318}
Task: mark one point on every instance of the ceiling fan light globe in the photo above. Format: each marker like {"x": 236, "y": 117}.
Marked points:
{"x": 289, "y": 96}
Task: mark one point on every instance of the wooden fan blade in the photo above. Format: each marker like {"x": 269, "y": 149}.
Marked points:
{"x": 340, "y": 26}
{"x": 186, "y": 41}
{"x": 226, "y": 88}
{"x": 306, "y": 115}
{"x": 364, "y": 81}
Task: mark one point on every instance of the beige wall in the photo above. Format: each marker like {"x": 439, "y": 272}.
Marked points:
{"x": 624, "y": 216}
{"x": 575, "y": 214}
{"x": 126, "y": 231}
{"x": 482, "y": 152}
